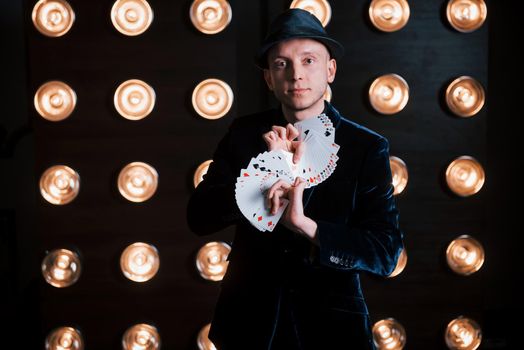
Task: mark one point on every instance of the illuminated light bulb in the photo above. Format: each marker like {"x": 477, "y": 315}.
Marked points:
{"x": 141, "y": 337}
{"x": 210, "y": 16}
{"x": 465, "y": 255}
{"x": 139, "y": 262}
{"x": 131, "y": 17}
{"x": 389, "y": 94}
{"x": 203, "y": 341}
{"x": 59, "y": 184}
{"x": 53, "y": 18}
{"x": 389, "y": 334}
{"x": 211, "y": 260}
{"x": 137, "y": 181}
{"x": 319, "y": 8}
{"x": 466, "y": 15}
{"x": 55, "y": 100}
{"x": 134, "y": 99}
{"x": 200, "y": 172}
{"x": 401, "y": 263}
{"x": 212, "y": 98}
{"x": 61, "y": 268}
{"x": 465, "y": 96}
{"x": 399, "y": 172}
{"x": 389, "y": 15}
{"x": 64, "y": 338}
{"x": 465, "y": 176}
{"x": 463, "y": 334}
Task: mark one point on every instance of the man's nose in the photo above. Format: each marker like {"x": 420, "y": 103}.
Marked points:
{"x": 295, "y": 71}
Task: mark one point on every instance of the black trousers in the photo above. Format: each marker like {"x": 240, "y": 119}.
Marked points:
{"x": 338, "y": 330}
{"x": 286, "y": 334}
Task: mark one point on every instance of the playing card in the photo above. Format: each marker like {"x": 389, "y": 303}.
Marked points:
{"x": 251, "y": 193}
{"x": 320, "y": 125}
{"x": 316, "y": 164}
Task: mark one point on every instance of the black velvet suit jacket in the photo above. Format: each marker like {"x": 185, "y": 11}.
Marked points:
{"x": 358, "y": 231}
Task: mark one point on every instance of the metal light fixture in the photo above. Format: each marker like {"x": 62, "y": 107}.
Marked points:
{"x": 53, "y": 18}
{"x": 465, "y": 255}
{"x": 64, "y": 338}
{"x": 203, "y": 341}
{"x": 61, "y": 268}
{"x": 389, "y": 334}
{"x": 141, "y": 336}
{"x": 200, "y": 172}
{"x": 465, "y": 96}
{"x": 389, "y": 94}
{"x": 134, "y": 99}
{"x": 389, "y": 15}
{"x": 131, "y": 17}
{"x": 55, "y": 100}
{"x": 59, "y": 184}
{"x": 139, "y": 262}
{"x": 463, "y": 334}
{"x": 320, "y": 8}
{"x": 211, "y": 260}
{"x": 401, "y": 263}
{"x": 466, "y": 15}
{"x": 465, "y": 176}
{"x": 210, "y": 16}
{"x": 212, "y": 98}
{"x": 399, "y": 172}
{"x": 137, "y": 181}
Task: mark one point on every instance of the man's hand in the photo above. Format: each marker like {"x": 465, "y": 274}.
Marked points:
{"x": 280, "y": 138}
{"x": 293, "y": 218}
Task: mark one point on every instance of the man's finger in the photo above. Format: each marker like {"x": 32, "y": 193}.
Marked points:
{"x": 269, "y": 135}
{"x": 298, "y": 188}
{"x": 275, "y": 201}
{"x": 273, "y": 188}
{"x": 299, "y": 150}
{"x": 281, "y": 131}
{"x": 271, "y": 140}
{"x": 292, "y": 132}
{"x": 266, "y": 139}
{"x": 276, "y": 186}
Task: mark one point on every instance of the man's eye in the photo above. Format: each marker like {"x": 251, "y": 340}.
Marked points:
{"x": 309, "y": 60}
{"x": 280, "y": 64}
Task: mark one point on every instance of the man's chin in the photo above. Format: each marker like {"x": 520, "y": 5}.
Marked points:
{"x": 298, "y": 107}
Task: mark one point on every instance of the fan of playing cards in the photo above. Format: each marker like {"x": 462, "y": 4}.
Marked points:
{"x": 316, "y": 164}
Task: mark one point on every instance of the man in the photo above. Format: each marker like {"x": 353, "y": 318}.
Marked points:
{"x": 298, "y": 286}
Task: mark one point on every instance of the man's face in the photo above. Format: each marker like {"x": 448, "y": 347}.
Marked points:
{"x": 298, "y": 73}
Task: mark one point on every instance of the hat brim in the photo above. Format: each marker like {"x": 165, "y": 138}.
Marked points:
{"x": 335, "y": 49}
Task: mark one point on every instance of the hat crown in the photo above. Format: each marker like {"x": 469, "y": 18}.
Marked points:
{"x": 294, "y": 24}
{"x": 296, "y": 21}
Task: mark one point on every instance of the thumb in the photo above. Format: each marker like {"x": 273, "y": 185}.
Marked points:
{"x": 299, "y": 149}
{"x": 292, "y": 132}
{"x": 298, "y": 188}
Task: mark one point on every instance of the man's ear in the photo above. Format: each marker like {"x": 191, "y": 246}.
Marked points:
{"x": 267, "y": 78}
{"x": 332, "y": 69}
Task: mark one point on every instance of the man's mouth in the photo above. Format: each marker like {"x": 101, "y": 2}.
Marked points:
{"x": 298, "y": 91}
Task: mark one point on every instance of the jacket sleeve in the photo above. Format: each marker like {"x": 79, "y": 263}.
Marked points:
{"x": 372, "y": 242}
{"x": 212, "y": 206}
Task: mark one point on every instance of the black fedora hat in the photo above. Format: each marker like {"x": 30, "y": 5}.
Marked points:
{"x": 292, "y": 24}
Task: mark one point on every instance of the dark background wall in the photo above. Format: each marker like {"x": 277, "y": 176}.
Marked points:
{"x": 173, "y": 57}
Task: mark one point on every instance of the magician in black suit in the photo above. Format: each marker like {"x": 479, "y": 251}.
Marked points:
{"x": 298, "y": 286}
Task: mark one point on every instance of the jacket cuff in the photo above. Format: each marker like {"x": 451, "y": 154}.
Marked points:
{"x": 329, "y": 254}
